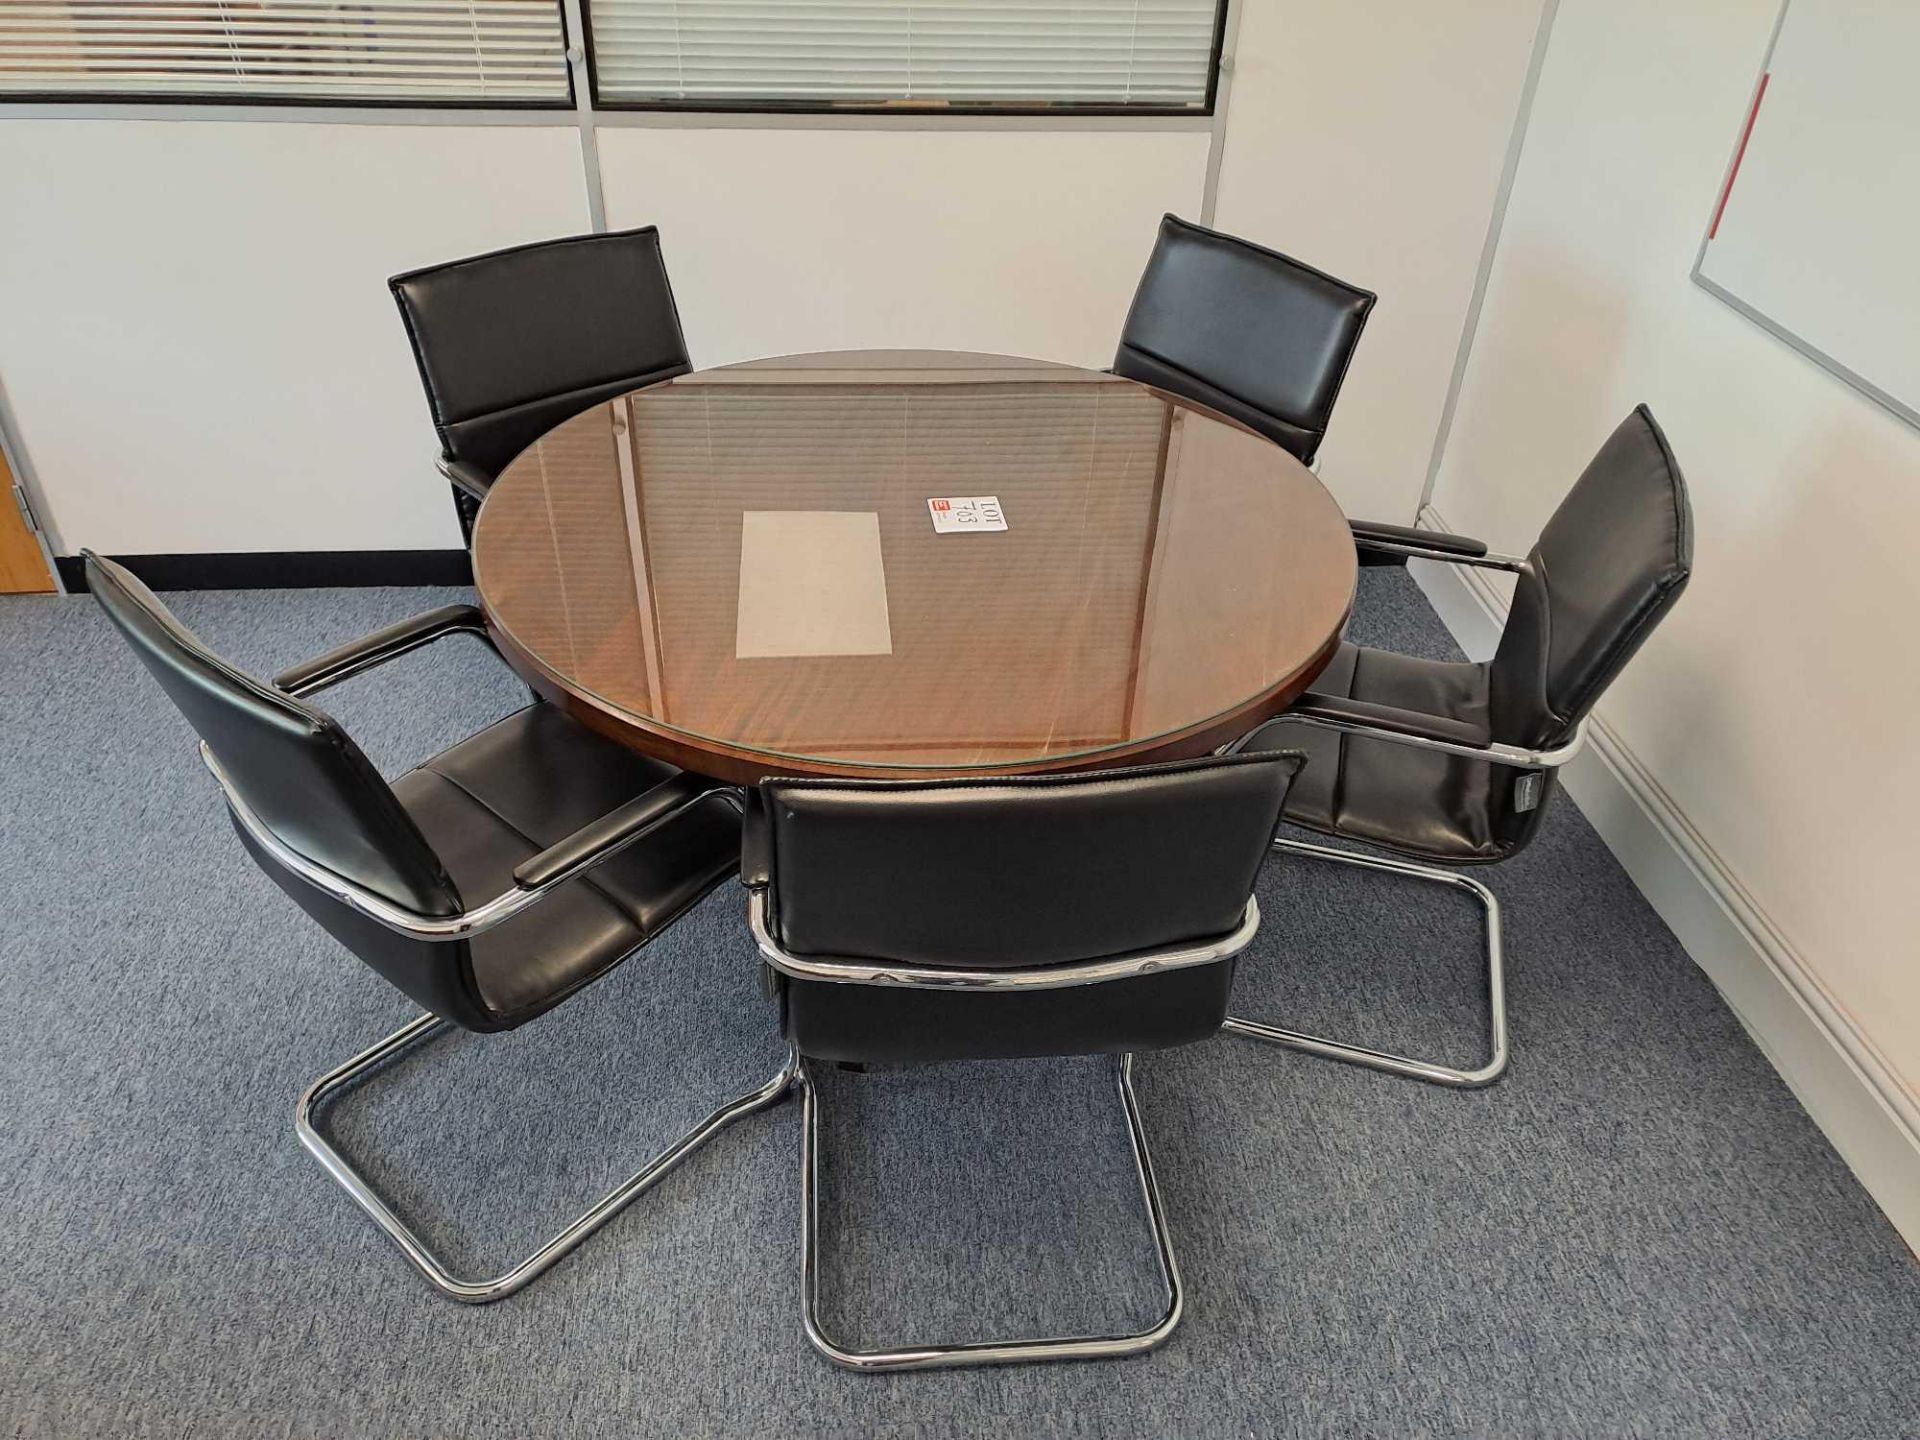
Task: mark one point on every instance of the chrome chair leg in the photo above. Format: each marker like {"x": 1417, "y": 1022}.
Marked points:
{"x": 989, "y": 1352}
{"x": 1428, "y": 1070}
{"x": 416, "y": 1249}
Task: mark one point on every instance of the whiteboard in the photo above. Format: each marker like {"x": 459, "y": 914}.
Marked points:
{"x": 1816, "y": 234}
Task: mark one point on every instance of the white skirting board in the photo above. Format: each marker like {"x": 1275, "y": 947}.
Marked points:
{"x": 1872, "y": 1119}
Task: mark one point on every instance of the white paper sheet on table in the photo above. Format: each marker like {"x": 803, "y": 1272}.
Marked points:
{"x": 811, "y": 583}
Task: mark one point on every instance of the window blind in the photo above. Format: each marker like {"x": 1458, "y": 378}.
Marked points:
{"x": 1146, "y": 54}
{"x": 426, "y": 50}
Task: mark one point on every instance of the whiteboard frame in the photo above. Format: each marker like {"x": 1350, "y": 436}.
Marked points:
{"x": 1866, "y": 387}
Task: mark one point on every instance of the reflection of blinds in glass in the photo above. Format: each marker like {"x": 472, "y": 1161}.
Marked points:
{"x": 582, "y": 617}
{"x": 1074, "y": 466}
{"x": 503, "y": 50}
{"x": 1146, "y": 53}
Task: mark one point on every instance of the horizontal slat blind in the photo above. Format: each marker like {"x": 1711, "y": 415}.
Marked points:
{"x": 1146, "y": 53}
{"x": 510, "y": 50}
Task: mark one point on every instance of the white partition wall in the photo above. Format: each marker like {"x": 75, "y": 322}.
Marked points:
{"x": 196, "y": 337}
{"x": 1024, "y": 242}
{"x": 198, "y": 354}
{"x": 1367, "y": 138}
{"x": 1758, "y": 753}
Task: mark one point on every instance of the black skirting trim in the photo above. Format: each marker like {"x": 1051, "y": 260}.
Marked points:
{"x": 285, "y": 569}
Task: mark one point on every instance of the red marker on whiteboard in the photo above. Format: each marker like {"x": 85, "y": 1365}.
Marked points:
{"x": 1740, "y": 154}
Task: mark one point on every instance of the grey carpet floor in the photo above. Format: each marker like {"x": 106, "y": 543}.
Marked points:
{"x": 1639, "y": 1232}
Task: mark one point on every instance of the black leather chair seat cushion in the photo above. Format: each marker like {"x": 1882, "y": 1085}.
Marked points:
{"x": 877, "y": 1025}
{"x": 1411, "y": 801}
{"x": 525, "y": 783}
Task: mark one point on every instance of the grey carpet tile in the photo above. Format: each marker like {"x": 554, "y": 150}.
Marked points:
{"x": 1638, "y": 1232}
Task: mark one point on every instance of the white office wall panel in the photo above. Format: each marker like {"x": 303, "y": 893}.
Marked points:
{"x": 1367, "y": 138}
{"x": 196, "y": 337}
{"x": 1020, "y": 242}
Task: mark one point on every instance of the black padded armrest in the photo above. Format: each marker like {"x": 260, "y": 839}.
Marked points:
{"x": 468, "y": 476}
{"x": 379, "y": 647}
{"x": 614, "y": 831}
{"x": 1370, "y": 533}
{"x": 756, "y": 843}
{"x": 1387, "y": 718}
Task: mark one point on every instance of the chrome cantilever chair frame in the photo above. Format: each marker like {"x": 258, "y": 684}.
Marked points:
{"x": 1512, "y": 756}
{"x": 473, "y": 921}
{"x": 461, "y": 477}
{"x": 986, "y": 1352}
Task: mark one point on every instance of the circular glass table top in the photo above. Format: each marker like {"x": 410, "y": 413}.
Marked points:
{"x": 911, "y": 562}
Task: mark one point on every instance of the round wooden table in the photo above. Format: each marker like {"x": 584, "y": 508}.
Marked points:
{"x": 738, "y": 571}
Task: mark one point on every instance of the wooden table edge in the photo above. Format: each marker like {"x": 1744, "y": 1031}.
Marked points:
{"x": 744, "y": 765}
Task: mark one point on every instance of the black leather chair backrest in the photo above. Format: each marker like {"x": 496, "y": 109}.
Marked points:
{"x": 512, "y": 343}
{"x": 1607, "y": 568}
{"x": 1243, "y": 330}
{"x": 309, "y": 784}
{"x": 1017, "y": 872}
{"x": 292, "y": 764}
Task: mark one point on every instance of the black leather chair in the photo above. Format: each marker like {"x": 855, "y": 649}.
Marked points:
{"x": 1074, "y": 915}
{"x": 489, "y": 884}
{"x": 1451, "y": 761}
{"x": 1243, "y": 330}
{"x": 511, "y": 343}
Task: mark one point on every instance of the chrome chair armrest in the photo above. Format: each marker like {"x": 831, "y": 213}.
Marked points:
{"x": 1356, "y": 718}
{"x": 1413, "y": 724}
{"x": 1383, "y": 544}
{"x": 464, "y": 475}
{"x": 1514, "y": 564}
{"x": 1038, "y": 977}
{"x": 1380, "y": 532}
{"x": 587, "y": 847}
{"x": 380, "y": 647}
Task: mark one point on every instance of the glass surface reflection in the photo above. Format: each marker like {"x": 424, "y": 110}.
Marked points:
{"x": 1160, "y": 567}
